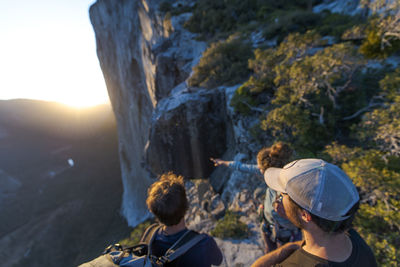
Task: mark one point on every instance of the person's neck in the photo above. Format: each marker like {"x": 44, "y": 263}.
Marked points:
{"x": 173, "y": 229}
{"x": 332, "y": 247}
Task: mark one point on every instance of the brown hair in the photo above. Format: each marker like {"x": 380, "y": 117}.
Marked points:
{"x": 167, "y": 199}
{"x": 275, "y": 156}
{"x": 326, "y": 225}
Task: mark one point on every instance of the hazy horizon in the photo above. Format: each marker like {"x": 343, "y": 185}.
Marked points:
{"x": 48, "y": 52}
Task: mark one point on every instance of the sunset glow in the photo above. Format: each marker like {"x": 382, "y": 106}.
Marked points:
{"x": 48, "y": 52}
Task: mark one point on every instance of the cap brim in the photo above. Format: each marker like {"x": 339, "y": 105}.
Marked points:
{"x": 273, "y": 180}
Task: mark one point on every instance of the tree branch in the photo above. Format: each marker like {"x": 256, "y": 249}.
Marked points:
{"x": 364, "y": 109}
{"x": 251, "y": 107}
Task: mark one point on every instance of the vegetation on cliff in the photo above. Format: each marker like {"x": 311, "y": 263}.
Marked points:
{"x": 230, "y": 226}
{"x": 317, "y": 89}
{"x": 224, "y": 62}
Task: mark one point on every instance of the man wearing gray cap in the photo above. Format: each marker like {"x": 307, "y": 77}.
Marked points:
{"x": 319, "y": 198}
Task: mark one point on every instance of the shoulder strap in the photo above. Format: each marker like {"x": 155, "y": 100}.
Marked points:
{"x": 149, "y": 233}
{"x": 183, "y": 244}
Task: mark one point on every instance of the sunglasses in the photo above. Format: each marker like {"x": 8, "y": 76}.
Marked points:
{"x": 280, "y": 198}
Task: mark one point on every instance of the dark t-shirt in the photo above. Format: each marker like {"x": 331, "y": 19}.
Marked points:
{"x": 203, "y": 254}
{"x": 361, "y": 255}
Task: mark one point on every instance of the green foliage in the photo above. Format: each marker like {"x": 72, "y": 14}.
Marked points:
{"x": 312, "y": 91}
{"x": 136, "y": 234}
{"x": 384, "y": 244}
{"x": 378, "y": 181}
{"x": 334, "y": 24}
{"x": 220, "y": 18}
{"x": 338, "y": 154}
{"x": 291, "y": 124}
{"x": 265, "y": 66}
{"x": 382, "y": 125}
{"x": 214, "y": 16}
{"x": 383, "y": 33}
{"x": 243, "y": 100}
{"x": 283, "y": 22}
{"x": 390, "y": 85}
{"x": 223, "y": 63}
{"x": 374, "y": 46}
{"x": 379, "y": 218}
{"x": 309, "y": 92}
{"x": 230, "y": 227}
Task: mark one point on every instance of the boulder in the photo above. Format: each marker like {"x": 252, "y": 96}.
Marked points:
{"x": 186, "y": 131}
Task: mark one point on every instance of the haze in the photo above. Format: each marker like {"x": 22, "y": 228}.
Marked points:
{"x": 48, "y": 52}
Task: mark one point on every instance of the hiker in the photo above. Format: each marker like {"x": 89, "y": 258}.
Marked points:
{"x": 168, "y": 243}
{"x": 319, "y": 198}
{"x": 167, "y": 201}
{"x": 276, "y": 230}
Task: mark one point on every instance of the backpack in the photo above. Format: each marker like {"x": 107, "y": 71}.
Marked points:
{"x": 139, "y": 255}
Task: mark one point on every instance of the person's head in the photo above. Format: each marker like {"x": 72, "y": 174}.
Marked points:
{"x": 315, "y": 191}
{"x": 275, "y": 156}
{"x": 167, "y": 199}
{"x": 299, "y": 217}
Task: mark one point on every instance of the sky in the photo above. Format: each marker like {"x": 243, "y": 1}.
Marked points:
{"x": 48, "y": 52}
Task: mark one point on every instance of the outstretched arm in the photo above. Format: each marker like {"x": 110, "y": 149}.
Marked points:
{"x": 219, "y": 162}
{"x": 277, "y": 255}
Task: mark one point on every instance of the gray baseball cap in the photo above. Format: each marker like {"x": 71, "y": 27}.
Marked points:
{"x": 317, "y": 186}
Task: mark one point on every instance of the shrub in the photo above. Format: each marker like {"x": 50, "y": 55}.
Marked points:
{"x": 223, "y": 63}
{"x": 373, "y": 46}
{"x": 309, "y": 92}
{"x": 378, "y": 181}
{"x": 230, "y": 227}
{"x": 243, "y": 99}
{"x": 284, "y": 22}
{"x": 334, "y": 24}
{"x": 381, "y": 126}
{"x": 378, "y": 219}
{"x": 215, "y": 16}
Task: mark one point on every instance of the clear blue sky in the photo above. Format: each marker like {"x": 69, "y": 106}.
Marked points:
{"x": 48, "y": 52}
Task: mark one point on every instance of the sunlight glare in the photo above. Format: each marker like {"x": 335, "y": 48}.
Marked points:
{"x": 47, "y": 54}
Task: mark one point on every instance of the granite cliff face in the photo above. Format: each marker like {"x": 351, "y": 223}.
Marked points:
{"x": 162, "y": 124}
{"x": 122, "y": 43}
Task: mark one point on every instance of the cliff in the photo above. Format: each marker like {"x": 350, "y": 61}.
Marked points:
{"x": 162, "y": 124}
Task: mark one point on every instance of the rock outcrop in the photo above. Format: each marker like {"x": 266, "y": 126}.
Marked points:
{"x": 351, "y": 7}
{"x": 206, "y": 206}
{"x": 187, "y": 130}
{"x": 142, "y": 61}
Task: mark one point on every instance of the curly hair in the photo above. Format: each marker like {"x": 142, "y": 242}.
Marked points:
{"x": 167, "y": 199}
{"x": 275, "y": 156}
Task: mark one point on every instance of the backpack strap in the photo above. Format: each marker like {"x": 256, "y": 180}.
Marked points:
{"x": 183, "y": 244}
{"x": 148, "y": 234}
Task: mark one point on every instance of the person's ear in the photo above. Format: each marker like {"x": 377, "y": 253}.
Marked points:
{"x": 305, "y": 215}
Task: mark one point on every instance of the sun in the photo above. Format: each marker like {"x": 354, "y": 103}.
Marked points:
{"x": 60, "y": 63}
